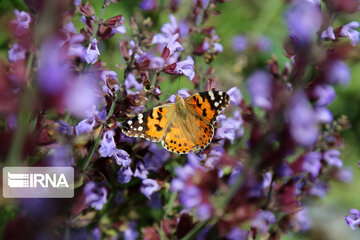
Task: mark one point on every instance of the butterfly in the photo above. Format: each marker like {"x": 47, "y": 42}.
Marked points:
{"x": 182, "y": 127}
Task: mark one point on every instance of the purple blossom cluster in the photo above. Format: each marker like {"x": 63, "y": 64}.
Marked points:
{"x": 275, "y": 148}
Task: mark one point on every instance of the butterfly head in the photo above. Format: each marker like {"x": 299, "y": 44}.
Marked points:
{"x": 180, "y": 104}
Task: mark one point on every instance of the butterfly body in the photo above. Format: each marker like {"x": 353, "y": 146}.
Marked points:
{"x": 183, "y": 126}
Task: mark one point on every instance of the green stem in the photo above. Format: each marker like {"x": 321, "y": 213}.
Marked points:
{"x": 171, "y": 203}
{"x": 24, "y": 117}
{"x": 97, "y": 141}
{"x": 99, "y": 19}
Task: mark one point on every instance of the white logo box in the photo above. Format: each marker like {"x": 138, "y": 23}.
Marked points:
{"x": 38, "y": 182}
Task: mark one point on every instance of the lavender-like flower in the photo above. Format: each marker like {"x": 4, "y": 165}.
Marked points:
{"x": 235, "y": 96}
{"x": 92, "y": 52}
{"x": 22, "y": 22}
{"x": 338, "y": 73}
{"x": 155, "y": 157}
{"x": 325, "y": 94}
{"x": 149, "y": 186}
{"x": 148, "y": 5}
{"x": 130, "y": 233}
{"x": 312, "y": 163}
{"x": 186, "y": 67}
{"x": 237, "y": 234}
{"x": 53, "y": 71}
{"x": 167, "y": 31}
{"x": 328, "y": 34}
{"x": 319, "y": 189}
{"x": 303, "y": 220}
{"x": 230, "y": 128}
{"x": 141, "y": 171}
{"x": 108, "y": 146}
{"x": 130, "y": 82}
{"x": 263, "y": 220}
{"x": 303, "y": 120}
{"x": 95, "y": 196}
{"x": 122, "y": 158}
{"x": 354, "y": 219}
{"x": 16, "y": 53}
{"x": 304, "y": 20}
{"x": 124, "y": 175}
{"x": 260, "y": 88}
{"x": 332, "y": 158}
{"x": 349, "y": 31}
{"x": 240, "y": 43}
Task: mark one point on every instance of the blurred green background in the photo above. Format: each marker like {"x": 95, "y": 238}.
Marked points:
{"x": 253, "y": 19}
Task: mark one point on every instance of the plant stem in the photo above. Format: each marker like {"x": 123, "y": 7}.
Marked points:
{"x": 96, "y": 27}
{"x": 23, "y": 119}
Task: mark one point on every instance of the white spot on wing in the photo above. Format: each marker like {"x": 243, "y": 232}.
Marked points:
{"x": 216, "y": 104}
{"x": 129, "y": 122}
{"x": 140, "y": 128}
{"x": 211, "y": 94}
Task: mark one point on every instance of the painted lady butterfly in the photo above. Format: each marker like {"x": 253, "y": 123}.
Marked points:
{"x": 183, "y": 126}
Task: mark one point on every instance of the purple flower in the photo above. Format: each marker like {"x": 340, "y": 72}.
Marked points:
{"x": 303, "y": 120}
{"x": 266, "y": 180}
{"x": 155, "y": 157}
{"x": 230, "y": 128}
{"x": 77, "y": 2}
{"x": 122, "y": 158}
{"x": 167, "y": 31}
{"x": 303, "y": 220}
{"x": 75, "y": 45}
{"x": 191, "y": 197}
{"x": 108, "y": 146}
{"x": 319, "y": 189}
{"x": 304, "y": 20}
{"x": 173, "y": 46}
{"x": 349, "y": 32}
{"x": 345, "y": 175}
{"x": 284, "y": 170}
{"x": 186, "y": 67}
{"x": 323, "y": 115}
{"x": 312, "y": 163}
{"x": 182, "y": 92}
{"x": 12, "y": 121}
{"x": 325, "y": 94}
{"x": 53, "y": 71}
{"x": 263, "y": 220}
{"x": 95, "y": 196}
{"x": 96, "y": 234}
{"x": 85, "y": 126}
{"x": 16, "y": 53}
{"x": 130, "y": 82}
{"x": 92, "y": 52}
{"x": 240, "y": 43}
{"x": 119, "y": 29}
{"x": 260, "y": 87}
{"x": 338, "y": 73}
{"x": 149, "y": 186}
{"x": 124, "y": 175}
{"x": 332, "y": 158}
{"x": 235, "y": 173}
{"x": 264, "y": 44}
{"x": 22, "y": 22}
{"x": 130, "y": 233}
{"x": 203, "y": 211}
{"x": 214, "y": 156}
{"x": 140, "y": 171}
{"x": 235, "y": 96}
{"x": 354, "y": 219}
{"x": 328, "y": 33}
{"x": 60, "y": 156}
{"x": 148, "y": 5}
{"x": 237, "y": 234}
{"x": 81, "y": 97}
